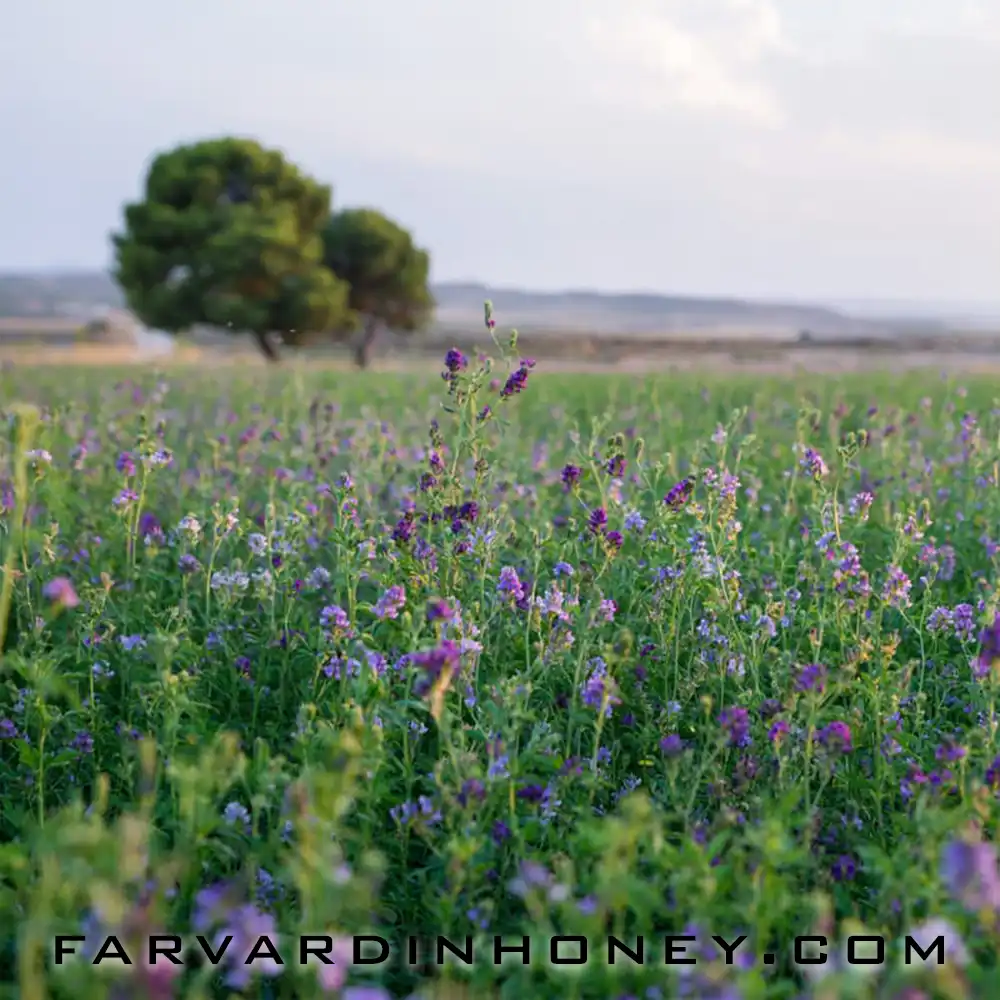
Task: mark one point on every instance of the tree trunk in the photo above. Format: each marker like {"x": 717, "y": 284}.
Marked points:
{"x": 266, "y": 347}
{"x": 363, "y": 352}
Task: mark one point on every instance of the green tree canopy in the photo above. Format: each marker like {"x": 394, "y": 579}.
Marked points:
{"x": 386, "y": 272}
{"x": 229, "y": 234}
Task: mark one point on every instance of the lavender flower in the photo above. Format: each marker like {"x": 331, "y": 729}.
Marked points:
{"x": 435, "y": 663}
{"x": 390, "y": 603}
{"x": 896, "y": 591}
{"x": 679, "y": 494}
{"x": 988, "y": 657}
{"x": 735, "y": 722}
{"x": 510, "y": 584}
{"x": 597, "y": 520}
{"x": 812, "y": 463}
{"x": 517, "y": 380}
{"x": 599, "y": 690}
{"x": 570, "y": 475}
{"x": 811, "y": 677}
{"x": 969, "y": 870}
{"x": 455, "y": 361}
{"x": 836, "y": 737}
{"x": 60, "y": 591}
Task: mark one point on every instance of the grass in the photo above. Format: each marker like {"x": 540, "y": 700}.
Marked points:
{"x": 319, "y": 653}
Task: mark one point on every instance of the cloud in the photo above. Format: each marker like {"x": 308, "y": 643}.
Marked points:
{"x": 977, "y": 20}
{"x": 906, "y": 150}
{"x": 699, "y": 55}
{"x": 907, "y": 100}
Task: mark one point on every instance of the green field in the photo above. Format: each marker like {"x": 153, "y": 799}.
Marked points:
{"x": 317, "y": 653}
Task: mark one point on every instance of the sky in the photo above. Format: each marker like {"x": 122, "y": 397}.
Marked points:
{"x": 806, "y": 149}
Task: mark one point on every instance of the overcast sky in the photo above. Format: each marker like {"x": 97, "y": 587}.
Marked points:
{"x": 807, "y": 148}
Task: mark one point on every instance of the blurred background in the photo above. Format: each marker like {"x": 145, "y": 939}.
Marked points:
{"x": 755, "y": 182}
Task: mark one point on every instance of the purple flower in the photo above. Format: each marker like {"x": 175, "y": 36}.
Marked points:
{"x": 896, "y": 592}
{"x": 235, "y": 813}
{"x": 150, "y": 527}
{"x": 473, "y": 790}
{"x": 949, "y": 752}
{"x": 992, "y": 776}
{"x": 517, "y": 380}
{"x": 963, "y": 621}
{"x": 390, "y": 603}
{"x": 334, "y": 617}
{"x": 634, "y": 521}
{"x": 939, "y": 619}
{"x": 813, "y": 464}
{"x": 812, "y": 677}
{"x": 597, "y": 520}
{"x": 531, "y": 793}
{"x": 211, "y": 905}
{"x": 607, "y": 610}
{"x": 844, "y": 868}
{"x": 83, "y": 742}
{"x": 679, "y": 494}
{"x": 599, "y": 689}
{"x": 969, "y": 870}
{"x": 836, "y": 737}
{"x": 860, "y": 504}
{"x": 570, "y": 475}
{"x": 188, "y": 564}
{"x": 500, "y": 832}
{"x": 455, "y": 361}
{"x": 435, "y": 663}
{"x": 60, "y": 591}
{"x": 736, "y": 723}
{"x": 531, "y": 875}
{"x": 778, "y": 731}
{"x": 124, "y": 497}
{"x": 404, "y": 529}
{"x": 510, "y": 584}
{"x": 989, "y": 648}
{"x": 439, "y": 610}
{"x": 247, "y": 925}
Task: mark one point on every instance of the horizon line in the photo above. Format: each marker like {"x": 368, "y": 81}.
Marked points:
{"x": 791, "y": 299}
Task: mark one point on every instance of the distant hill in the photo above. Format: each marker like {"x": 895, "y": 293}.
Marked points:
{"x": 641, "y": 313}
{"x": 964, "y": 315}
{"x": 77, "y": 293}
{"x": 84, "y": 293}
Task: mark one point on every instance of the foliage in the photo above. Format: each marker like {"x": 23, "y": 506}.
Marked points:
{"x": 387, "y": 274}
{"x": 595, "y": 654}
{"x": 228, "y": 234}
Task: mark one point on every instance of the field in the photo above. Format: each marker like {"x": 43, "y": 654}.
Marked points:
{"x": 307, "y": 652}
